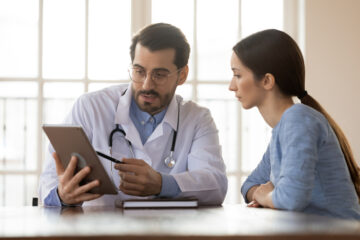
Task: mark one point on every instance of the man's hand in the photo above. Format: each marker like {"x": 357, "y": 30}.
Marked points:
{"x": 262, "y": 195}
{"x": 69, "y": 190}
{"x": 138, "y": 178}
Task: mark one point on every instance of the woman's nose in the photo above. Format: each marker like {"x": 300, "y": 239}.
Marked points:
{"x": 232, "y": 85}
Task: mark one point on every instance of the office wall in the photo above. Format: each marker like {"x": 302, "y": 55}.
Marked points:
{"x": 332, "y": 50}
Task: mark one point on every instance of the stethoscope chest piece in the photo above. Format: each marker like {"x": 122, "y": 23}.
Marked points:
{"x": 170, "y": 161}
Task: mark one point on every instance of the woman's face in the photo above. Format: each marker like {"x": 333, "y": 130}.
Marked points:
{"x": 247, "y": 89}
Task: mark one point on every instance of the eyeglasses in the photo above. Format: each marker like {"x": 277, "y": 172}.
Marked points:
{"x": 159, "y": 76}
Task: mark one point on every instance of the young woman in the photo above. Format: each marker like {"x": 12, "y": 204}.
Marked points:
{"x": 308, "y": 165}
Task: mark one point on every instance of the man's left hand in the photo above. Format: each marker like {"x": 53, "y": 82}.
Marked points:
{"x": 138, "y": 178}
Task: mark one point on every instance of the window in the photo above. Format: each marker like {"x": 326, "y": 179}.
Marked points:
{"x": 52, "y": 51}
{"x": 212, "y": 33}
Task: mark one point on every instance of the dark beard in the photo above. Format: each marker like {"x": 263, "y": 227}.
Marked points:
{"x": 164, "y": 102}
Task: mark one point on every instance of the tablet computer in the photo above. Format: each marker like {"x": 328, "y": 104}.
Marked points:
{"x": 69, "y": 140}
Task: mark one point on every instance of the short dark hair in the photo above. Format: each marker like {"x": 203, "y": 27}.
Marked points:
{"x": 160, "y": 36}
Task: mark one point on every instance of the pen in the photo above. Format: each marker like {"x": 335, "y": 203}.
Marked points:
{"x": 108, "y": 157}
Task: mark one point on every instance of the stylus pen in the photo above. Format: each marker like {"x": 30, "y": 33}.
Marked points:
{"x": 108, "y": 157}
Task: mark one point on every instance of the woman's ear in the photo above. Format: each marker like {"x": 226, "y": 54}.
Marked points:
{"x": 183, "y": 75}
{"x": 268, "y": 81}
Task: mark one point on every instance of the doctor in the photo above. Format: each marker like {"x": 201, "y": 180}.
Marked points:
{"x": 156, "y": 125}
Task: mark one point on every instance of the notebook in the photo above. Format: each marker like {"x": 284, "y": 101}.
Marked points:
{"x": 160, "y": 203}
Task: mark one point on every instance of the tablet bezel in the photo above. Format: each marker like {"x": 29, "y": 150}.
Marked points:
{"x": 69, "y": 139}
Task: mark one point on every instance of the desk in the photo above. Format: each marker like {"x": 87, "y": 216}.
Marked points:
{"x": 227, "y": 222}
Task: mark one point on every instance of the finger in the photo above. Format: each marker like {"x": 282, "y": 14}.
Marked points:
{"x": 75, "y": 180}
{"x": 87, "y": 197}
{"x": 70, "y": 169}
{"x": 134, "y": 161}
{"x": 130, "y": 168}
{"x": 131, "y": 178}
{"x": 59, "y": 167}
{"x": 253, "y": 204}
{"x": 87, "y": 187}
{"x": 131, "y": 186}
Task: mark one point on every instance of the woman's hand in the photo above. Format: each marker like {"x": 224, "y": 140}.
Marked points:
{"x": 262, "y": 195}
{"x": 254, "y": 204}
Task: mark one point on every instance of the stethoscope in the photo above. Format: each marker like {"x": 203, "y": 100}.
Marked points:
{"x": 168, "y": 161}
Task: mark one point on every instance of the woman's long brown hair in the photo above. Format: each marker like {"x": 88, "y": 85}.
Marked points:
{"x": 273, "y": 51}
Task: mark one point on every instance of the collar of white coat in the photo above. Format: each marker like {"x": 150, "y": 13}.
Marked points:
{"x": 122, "y": 115}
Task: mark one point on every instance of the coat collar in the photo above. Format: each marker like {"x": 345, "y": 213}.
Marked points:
{"x": 122, "y": 117}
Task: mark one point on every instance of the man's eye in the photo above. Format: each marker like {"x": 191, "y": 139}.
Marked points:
{"x": 139, "y": 71}
{"x": 160, "y": 74}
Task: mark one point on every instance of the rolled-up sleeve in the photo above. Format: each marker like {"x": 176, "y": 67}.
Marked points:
{"x": 260, "y": 175}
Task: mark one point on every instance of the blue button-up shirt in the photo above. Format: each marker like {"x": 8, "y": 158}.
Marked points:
{"x": 144, "y": 122}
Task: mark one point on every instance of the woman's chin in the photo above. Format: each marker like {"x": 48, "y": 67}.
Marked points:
{"x": 246, "y": 106}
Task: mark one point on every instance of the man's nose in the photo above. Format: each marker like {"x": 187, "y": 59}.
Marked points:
{"x": 148, "y": 82}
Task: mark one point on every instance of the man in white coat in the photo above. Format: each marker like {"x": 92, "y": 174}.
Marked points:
{"x": 152, "y": 118}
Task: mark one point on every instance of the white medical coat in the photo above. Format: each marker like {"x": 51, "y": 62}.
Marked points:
{"x": 199, "y": 170}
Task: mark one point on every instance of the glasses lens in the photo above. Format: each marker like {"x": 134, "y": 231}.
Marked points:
{"x": 160, "y": 76}
{"x": 137, "y": 74}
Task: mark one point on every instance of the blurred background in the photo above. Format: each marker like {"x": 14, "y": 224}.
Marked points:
{"x": 52, "y": 51}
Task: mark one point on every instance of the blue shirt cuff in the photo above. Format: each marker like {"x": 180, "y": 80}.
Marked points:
{"x": 245, "y": 188}
{"x": 169, "y": 187}
{"x": 52, "y": 198}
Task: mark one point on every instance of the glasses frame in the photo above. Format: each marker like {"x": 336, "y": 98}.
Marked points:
{"x": 131, "y": 67}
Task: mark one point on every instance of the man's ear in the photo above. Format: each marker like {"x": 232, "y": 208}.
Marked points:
{"x": 268, "y": 81}
{"x": 183, "y": 75}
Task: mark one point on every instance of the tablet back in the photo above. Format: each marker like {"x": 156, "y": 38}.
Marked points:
{"x": 71, "y": 140}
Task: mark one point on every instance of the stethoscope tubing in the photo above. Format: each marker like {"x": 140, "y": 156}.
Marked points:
{"x": 173, "y": 144}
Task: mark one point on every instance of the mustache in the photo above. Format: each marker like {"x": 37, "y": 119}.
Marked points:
{"x": 149, "y": 92}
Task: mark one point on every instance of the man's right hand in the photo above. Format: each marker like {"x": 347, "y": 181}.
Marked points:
{"x": 69, "y": 190}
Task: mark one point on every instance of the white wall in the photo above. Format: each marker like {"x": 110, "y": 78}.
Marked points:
{"x": 332, "y": 50}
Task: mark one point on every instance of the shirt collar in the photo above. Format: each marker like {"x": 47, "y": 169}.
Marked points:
{"x": 142, "y": 116}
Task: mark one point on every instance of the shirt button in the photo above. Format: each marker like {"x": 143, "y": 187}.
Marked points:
{"x": 142, "y": 122}
{"x": 151, "y": 120}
